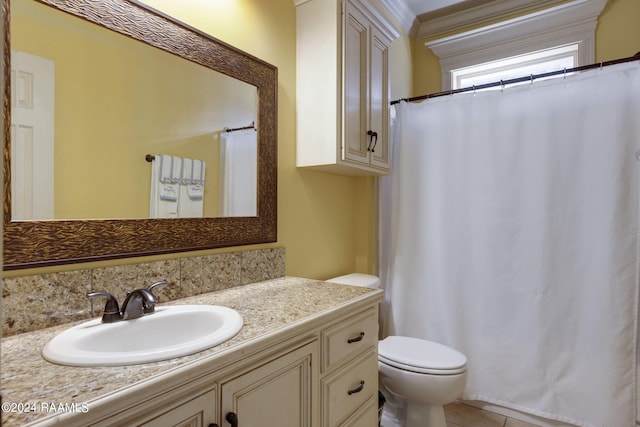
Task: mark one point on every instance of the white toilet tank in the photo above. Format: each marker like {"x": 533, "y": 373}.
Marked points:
{"x": 357, "y": 279}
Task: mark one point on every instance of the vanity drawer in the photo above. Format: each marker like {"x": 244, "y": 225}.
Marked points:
{"x": 349, "y": 388}
{"x": 346, "y": 339}
{"x": 366, "y": 416}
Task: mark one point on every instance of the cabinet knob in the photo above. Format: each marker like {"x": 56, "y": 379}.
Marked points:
{"x": 232, "y": 419}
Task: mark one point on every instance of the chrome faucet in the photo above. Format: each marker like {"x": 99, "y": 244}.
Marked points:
{"x": 137, "y": 303}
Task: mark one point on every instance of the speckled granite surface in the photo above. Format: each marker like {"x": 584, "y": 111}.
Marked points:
{"x": 265, "y": 306}
{"x": 41, "y": 301}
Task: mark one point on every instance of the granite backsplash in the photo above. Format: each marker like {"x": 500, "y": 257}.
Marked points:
{"x": 40, "y": 301}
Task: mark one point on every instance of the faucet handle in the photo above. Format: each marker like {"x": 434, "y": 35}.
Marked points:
{"x": 111, "y": 308}
{"x": 152, "y": 286}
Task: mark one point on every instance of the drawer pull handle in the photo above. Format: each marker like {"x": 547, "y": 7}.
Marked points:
{"x": 357, "y": 389}
{"x": 356, "y": 339}
{"x": 232, "y": 419}
{"x": 373, "y": 141}
{"x": 213, "y": 425}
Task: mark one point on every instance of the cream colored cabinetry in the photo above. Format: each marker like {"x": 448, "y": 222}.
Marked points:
{"x": 278, "y": 393}
{"x": 326, "y": 375}
{"x": 193, "y": 405}
{"x": 197, "y": 412}
{"x": 343, "y": 87}
{"x": 274, "y": 387}
{"x": 350, "y": 371}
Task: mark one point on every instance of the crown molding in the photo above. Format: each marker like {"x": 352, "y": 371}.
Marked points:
{"x": 377, "y": 12}
{"x": 574, "y": 14}
{"x": 380, "y": 20}
{"x": 478, "y": 15}
{"x": 400, "y": 11}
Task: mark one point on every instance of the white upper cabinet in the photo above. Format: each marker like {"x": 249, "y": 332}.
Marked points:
{"x": 343, "y": 87}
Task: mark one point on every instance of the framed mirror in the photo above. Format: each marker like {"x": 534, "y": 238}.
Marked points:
{"x": 188, "y": 98}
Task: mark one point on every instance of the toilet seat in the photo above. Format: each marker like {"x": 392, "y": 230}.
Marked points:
{"x": 421, "y": 356}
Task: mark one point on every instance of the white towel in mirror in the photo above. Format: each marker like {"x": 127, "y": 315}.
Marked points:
{"x": 165, "y": 178}
{"x": 191, "y": 198}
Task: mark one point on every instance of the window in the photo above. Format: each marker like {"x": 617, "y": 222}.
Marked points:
{"x": 543, "y": 61}
{"x": 569, "y": 24}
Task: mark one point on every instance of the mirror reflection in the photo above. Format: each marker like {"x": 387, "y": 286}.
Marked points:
{"x": 88, "y": 107}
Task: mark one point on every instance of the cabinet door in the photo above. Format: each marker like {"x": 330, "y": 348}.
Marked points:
{"x": 379, "y": 100}
{"x": 278, "y": 393}
{"x": 198, "y": 412}
{"x": 354, "y": 57}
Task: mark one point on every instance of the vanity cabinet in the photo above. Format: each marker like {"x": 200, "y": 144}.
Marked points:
{"x": 326, "y": 376}
{"x": 267, "y": 388}
{"x": 343, "y": 87}
{"x": 350, "y": 371}
{"x": 348, "y": 392}
{"x": 277, "y": 393}
{"x": 182, "y": 407}
{"x": 197, "y": 412}
{"x": 317, "y": 371}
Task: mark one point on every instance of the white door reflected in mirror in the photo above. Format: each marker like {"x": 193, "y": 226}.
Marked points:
{"x": 32, "y": 127}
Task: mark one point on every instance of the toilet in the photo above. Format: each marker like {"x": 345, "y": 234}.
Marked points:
{"x": 417, "y": 377}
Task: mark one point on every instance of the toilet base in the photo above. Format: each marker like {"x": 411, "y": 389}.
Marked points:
{"x": 393, "y": 416}
{"x": 423, "y": 415}
{"x": 413, "y": 415}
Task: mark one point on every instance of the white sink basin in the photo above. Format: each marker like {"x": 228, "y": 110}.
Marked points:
{"x": 171, "y": 331}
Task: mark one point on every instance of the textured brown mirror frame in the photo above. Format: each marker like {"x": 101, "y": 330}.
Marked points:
{"x": 31, "y": 244}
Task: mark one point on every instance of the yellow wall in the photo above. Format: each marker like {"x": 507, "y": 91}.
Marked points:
{"x": 327, "y": 223}
{"x": 617, "y": 36}
{"x": 618, "y": 31}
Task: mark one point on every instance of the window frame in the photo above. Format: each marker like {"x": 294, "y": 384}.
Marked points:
{"x": 516, "y": 66}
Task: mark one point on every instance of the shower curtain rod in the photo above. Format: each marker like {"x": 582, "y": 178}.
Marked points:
{"x": 531, "y": 78}
{"x": 251, "y": 126}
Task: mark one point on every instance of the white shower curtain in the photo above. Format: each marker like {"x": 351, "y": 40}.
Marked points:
{"x": 239, "y": 173}
{"x": 509, "y": 231}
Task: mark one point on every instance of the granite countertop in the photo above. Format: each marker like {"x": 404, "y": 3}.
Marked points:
{"x": 266, "y": 307}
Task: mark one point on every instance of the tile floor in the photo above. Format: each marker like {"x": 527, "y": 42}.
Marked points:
{"x": 461, "y": 415}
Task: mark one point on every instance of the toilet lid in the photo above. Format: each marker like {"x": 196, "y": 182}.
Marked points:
{"x": 419, "y": 355}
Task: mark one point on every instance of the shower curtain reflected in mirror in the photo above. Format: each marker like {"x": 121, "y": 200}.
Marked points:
{"x": 509, "y": 231}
